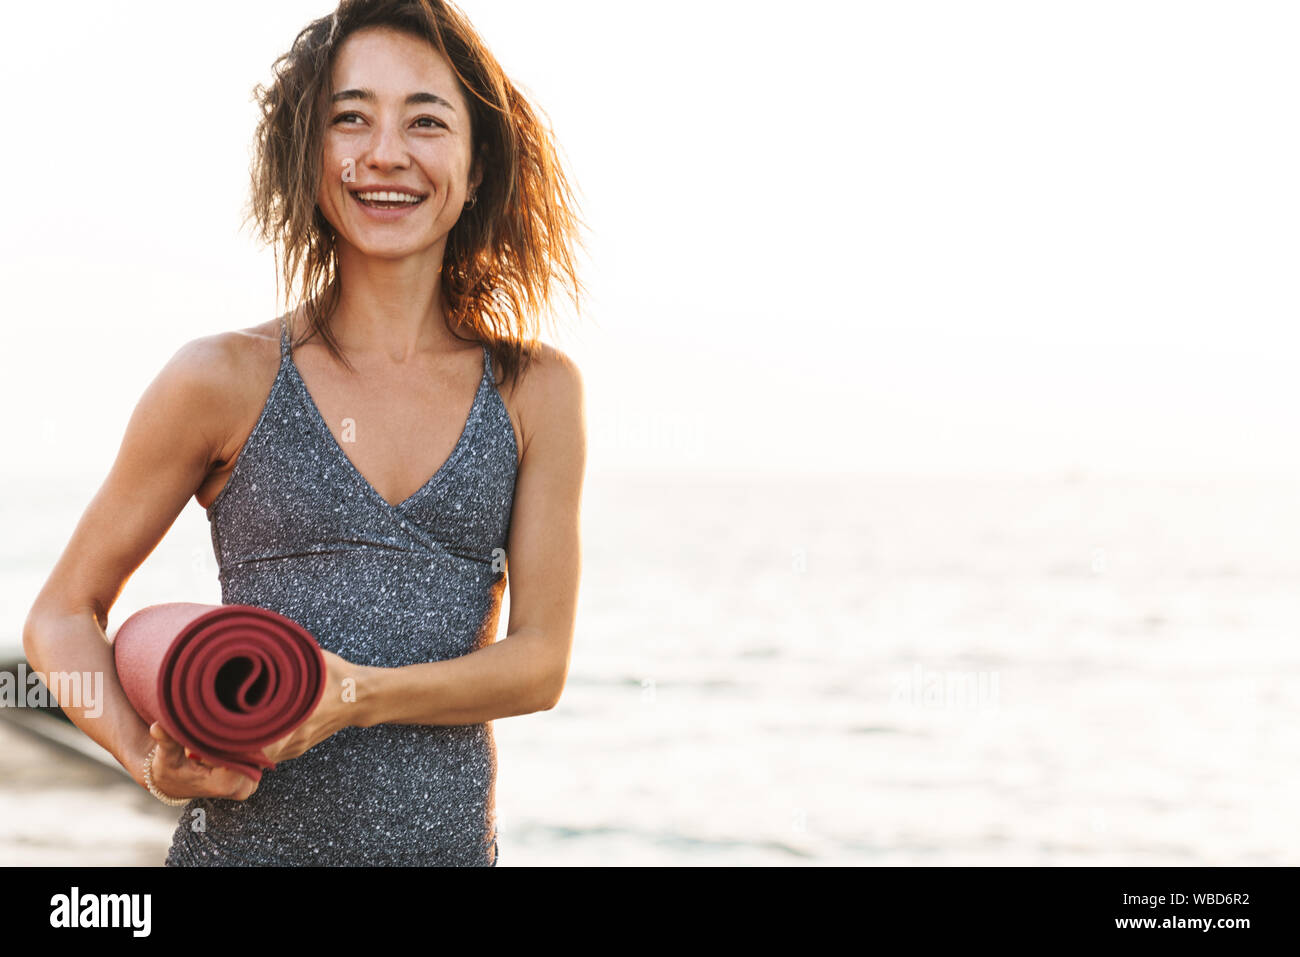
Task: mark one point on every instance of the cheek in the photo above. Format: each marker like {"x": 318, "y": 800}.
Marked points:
{"x": 326, "y": 200}
{"x": 329, "y": 198}
{"x": 337, "y": 165}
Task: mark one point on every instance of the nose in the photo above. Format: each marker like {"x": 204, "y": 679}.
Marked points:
{"x": 387, "y": 148}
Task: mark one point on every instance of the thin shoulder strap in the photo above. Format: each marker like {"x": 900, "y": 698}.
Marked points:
{"x": 487, "y": 363}
{"x": 284, "y": 336}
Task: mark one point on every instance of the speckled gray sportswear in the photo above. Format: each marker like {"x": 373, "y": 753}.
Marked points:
{"x": 298, "y": 530}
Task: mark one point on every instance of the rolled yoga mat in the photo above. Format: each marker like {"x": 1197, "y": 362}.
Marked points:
{"x": 223, "y": 680}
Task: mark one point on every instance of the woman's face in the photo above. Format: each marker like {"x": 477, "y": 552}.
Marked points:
{"x": 396, "y": 123}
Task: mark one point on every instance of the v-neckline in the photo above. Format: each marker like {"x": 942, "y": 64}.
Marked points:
{"x": 470, "y": 421}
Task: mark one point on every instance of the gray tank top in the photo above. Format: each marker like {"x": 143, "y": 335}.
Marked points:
{"x": 297, "y": 529}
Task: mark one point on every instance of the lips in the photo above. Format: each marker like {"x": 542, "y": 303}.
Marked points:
{"x": 387, "y": 198}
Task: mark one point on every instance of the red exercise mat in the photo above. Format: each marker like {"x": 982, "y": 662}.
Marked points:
{"x": 223, "y": 680}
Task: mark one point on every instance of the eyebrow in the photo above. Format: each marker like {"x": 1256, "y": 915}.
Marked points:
{"x": 368, "y": 94}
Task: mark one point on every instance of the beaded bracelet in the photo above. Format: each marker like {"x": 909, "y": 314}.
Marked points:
{"x": 148, "y": 781}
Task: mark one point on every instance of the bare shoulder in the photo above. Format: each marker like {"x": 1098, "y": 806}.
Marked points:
{"x": 551, "y": 398}
{"x": 552, "y": 377}
{"x": 221, "y": 380}
{"x": 220, "y": 358}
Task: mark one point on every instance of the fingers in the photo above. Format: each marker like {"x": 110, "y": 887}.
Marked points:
{"x": 168, "y": 745}
{"x": 245, "y": 789}
{"x": 200, "y": 780}
{"x": 171, "y": 746}
{"x": 179, "y": 773}
{"x": 169, "y": 752}
{"x": 232, "y": 784}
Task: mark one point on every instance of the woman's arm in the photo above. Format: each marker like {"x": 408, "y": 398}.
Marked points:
{"x": 525, "y": 671}
{"x": 178, "y": 430}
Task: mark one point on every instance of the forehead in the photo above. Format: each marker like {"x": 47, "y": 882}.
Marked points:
{"x": 393, "y": 64}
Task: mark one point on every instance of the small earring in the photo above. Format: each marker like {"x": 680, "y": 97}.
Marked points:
{"x": 472, "y": 200}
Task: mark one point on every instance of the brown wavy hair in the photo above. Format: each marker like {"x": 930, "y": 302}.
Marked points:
{"x": 506, "y": 256}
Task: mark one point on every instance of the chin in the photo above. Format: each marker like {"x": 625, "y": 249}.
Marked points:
{"x": 392, "y": 248}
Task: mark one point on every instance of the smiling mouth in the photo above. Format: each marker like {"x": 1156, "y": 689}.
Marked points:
{"x": 388, "y": 200}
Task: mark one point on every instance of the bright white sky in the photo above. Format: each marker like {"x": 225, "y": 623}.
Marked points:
{"x": 878, "y": 237}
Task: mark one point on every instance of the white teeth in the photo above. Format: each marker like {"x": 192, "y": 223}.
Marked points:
{"x": 386, "y": 197}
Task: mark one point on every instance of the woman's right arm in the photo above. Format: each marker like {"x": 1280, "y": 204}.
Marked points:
{"x": 177, "y": 433}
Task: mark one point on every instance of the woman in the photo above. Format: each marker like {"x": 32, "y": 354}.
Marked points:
{"x": 366, "y": 469}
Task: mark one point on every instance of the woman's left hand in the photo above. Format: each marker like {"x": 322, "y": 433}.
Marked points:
{"x": 336, "y": 711}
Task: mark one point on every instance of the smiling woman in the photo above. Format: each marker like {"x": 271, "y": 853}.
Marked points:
{"x": 372, "y": 462}
{"x": 481, "y": 162}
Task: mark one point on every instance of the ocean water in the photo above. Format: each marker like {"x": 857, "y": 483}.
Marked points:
{"x": 880, "y": 670}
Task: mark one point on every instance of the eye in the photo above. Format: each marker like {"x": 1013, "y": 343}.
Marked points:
{"x": 343, "y": 116}
{"x": 433, "y": 120}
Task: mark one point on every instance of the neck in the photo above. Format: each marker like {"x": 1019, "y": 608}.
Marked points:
{"x": 391, "y": 307}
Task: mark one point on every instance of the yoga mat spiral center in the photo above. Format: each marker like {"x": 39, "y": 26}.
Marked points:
{"x": 239, "y": 685}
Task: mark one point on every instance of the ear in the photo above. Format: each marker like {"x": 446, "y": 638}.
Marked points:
{"x": 476, "y": 172}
